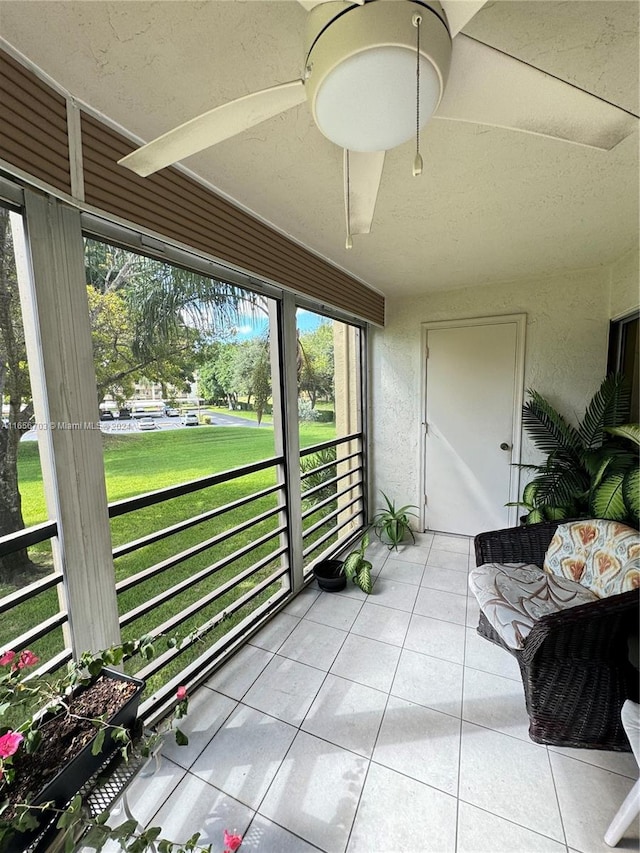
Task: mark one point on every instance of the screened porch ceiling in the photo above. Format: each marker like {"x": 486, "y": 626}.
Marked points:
{"x": 492, "y": 205}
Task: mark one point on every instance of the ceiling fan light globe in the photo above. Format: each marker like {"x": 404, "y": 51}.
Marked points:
{"x": 367, "y": 102}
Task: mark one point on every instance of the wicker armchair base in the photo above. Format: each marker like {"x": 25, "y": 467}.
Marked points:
{"x": 575, "y": 664}
{"x": 572, "y": 705}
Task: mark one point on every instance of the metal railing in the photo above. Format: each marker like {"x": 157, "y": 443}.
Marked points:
{"x": 42, "y": 597}
{"x": 211, "y": 577}
{"x": 333, "y": 507}
{"x": 207, "y": 573}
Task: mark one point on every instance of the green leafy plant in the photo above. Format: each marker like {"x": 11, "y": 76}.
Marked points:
{"x": 591, "y": 469}
{"x": 318, "y": 470}
{"x": 393, "y": 524}
{"x": 357, "y": 568}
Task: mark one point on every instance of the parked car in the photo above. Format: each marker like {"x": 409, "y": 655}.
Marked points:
{"x": 146, "y": 423}
{"x": 106, "y": 415}
{"x": 170, "y": 412}
{"x": 124, "y": 414}
{"x": 190, "y": 419}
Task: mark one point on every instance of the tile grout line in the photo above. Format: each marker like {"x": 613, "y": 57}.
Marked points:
{"x": 375, "y": 741}
{"x": 299, "y": 727}
{"x": 464, "y": 662}
{"x": 555, "y": 791}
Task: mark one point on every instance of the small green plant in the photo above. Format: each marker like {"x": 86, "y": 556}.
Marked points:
{"x": 316, "y": 469}
{"x": 392, "y": 525}
{"x": 357, "y": 569}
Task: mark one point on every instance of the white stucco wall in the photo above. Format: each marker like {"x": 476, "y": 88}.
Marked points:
{"x": 566, "y": 356}
{"x": 625, "y": 285}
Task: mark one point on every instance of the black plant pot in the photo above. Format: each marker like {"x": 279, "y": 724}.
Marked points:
{"x": 330, "y": 575}
{"x": 70, "y": 779}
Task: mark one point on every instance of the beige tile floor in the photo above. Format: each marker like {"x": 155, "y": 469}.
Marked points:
{"x": 377, "y": 724}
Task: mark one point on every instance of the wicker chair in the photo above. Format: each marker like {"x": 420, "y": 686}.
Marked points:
{"x": 575, "y": 663}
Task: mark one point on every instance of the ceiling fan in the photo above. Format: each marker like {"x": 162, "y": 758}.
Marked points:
{"x": 376, "y": 71}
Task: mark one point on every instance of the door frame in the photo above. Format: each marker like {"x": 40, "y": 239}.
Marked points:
{"x": 520, "y": 321}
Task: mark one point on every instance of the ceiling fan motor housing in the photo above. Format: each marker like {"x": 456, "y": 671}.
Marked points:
{"x": 361, "y": 74}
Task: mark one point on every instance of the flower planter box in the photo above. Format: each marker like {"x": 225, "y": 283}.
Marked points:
{"x": 82, "y": 766}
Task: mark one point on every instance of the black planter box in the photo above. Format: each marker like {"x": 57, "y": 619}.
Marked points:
{"x": 70, "y": 779}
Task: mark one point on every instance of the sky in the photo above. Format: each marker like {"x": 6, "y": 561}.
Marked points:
{"x": 251, "y": 327}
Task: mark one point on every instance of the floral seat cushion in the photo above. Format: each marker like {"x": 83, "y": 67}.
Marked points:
{"x": 603, "y": 556}
{"x": 512, "y": 596}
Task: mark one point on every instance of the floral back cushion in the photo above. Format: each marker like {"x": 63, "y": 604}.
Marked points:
{"x": 603, "y": 556}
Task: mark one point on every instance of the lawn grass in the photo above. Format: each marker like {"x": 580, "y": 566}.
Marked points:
{"x": 247, "y": 415}
{"x": 143, "y": 462}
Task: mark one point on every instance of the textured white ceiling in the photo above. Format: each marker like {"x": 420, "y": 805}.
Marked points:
{"x": 491, "y": 205}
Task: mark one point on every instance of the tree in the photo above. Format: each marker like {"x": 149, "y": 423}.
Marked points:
{"x": 242, "y": 367}
{"x": 316, "y": 367}
{"x": 217, "y": 376}
{"x": 119, "y": 363}
{"x": 252, "y": 370}
{"x": 150, "y": 320}
{"x": 260, "y": 376}
{"x": 15, "y": 393}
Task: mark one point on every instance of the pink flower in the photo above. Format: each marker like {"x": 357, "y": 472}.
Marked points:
{"x": 232, "y": 841}
{"x": 9, "y": 743}
{"x": 6, "y": 658}
{"x": 181, "y": 693}
{"x": 27, "y": 658}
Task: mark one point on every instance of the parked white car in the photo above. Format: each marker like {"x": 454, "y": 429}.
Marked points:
{"x": 146, "y": 423}
{"x": 190, "y": 419}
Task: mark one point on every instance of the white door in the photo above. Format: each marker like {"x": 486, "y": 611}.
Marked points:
{"x": 472, "y": 430}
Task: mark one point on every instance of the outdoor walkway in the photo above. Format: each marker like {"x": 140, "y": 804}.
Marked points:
{"x": 380, "y": 724}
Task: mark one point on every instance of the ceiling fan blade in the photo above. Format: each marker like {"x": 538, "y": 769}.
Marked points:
{"x": 214, "y": 126}
{"x": 310, "y": 4}
{"x": 460, "y": 12}
{"x": 362, "y": 174}
{"x": 486, "y": 86}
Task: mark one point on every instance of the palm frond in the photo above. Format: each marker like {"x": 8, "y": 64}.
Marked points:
{"x": 609, "y": 407}
{"x": 548, "y": 429}
{"x": 629, "y": 431}
{"x": 619, "y": 407}
{"x": 560, "y": 487}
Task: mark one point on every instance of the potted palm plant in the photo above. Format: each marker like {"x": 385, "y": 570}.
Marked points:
{"x": 392, "y": 525}
{"x": 590, "y": 469}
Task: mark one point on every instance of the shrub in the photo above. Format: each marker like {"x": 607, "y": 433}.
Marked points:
{"x": 306, "y": 412}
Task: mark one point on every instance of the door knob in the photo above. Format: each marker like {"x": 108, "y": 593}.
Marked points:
{"x": 505, "y": 446}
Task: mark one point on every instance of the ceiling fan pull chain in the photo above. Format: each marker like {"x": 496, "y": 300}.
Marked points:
{"x": 349, "y": 241}
{"x": 417, "y": 162}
